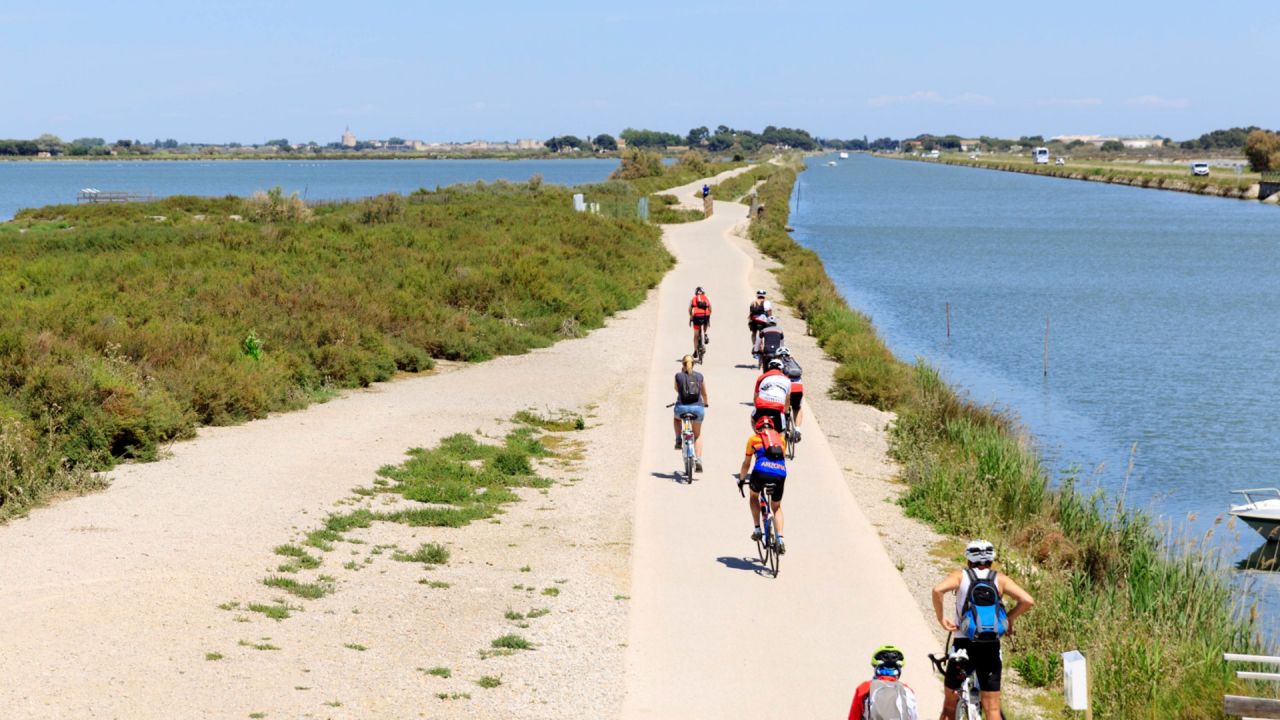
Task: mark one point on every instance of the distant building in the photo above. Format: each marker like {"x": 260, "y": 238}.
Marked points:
{"x": 1142, "y": 143}
{"x": 528, "y": 144}
{"x": 348, "y": 138}
{"x": 969, "y": 145}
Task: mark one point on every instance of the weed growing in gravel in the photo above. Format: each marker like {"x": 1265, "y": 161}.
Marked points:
{"x": 213, "y": 656}
{"x": 259, "y": 645}
{"x": 512, "y": 642}
{"x": 513, "y": 615}
{"x": 231, "y": 605}
{"x": 439, "y": 671}
{"x": 311, "y": 591}
{"x": 537, "y": 613}
{"x": 301, "y": 558}
{"x": 453, "y": 696}
{"x": 489, "y": 682}
{"x": 437, "y": 584}
{"x": 279, "y": 611}
{"x": 551, "y": 591}
{"x": 355, "y": 646}
{"x": 427, "y": 553}
{"x": 562, "y": 421}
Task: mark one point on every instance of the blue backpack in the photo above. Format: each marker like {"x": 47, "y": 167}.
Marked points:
{"x": 983, "y": 617}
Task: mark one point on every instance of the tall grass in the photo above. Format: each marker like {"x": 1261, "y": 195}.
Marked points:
{"x": 124, "y": 327}
{"x": 1153, "y": 614}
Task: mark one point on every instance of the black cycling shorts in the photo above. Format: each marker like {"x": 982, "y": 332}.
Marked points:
{"x": 700, "y": 320}
{"x": 757, "y": 325}
{"x": 984, "y": 659}
{"x": 776, "y": 485}
{"x": 776, "y": 415}
{"x": 796, "y": 398}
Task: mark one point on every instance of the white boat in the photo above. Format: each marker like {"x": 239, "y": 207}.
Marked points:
{"x": 844, "y": 156}
{"x": 831, "y": 163}
{"x": 1260, "y": 511}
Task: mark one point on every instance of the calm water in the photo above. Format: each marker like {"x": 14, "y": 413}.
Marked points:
{"x": 1164, "y": 317}
{"x": 34, "y": 184}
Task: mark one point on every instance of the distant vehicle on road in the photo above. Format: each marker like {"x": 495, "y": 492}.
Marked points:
{"x": 1060, "y": 161}
{"x": 1199, "y": 168}
{"x": 1041, "y": 155}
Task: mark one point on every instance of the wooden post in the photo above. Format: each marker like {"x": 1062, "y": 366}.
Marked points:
{"x": 1046, "y": 346}
{"x": 1250, "y": 707}
{"x": 1088, "y": 683}
{"x": 948, "y": 319}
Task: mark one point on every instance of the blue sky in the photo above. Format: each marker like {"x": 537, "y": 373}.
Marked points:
{"x": 252, "y": 71}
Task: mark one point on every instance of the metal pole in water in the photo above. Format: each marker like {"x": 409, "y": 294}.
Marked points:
{"x": 948, "y": 319}
{"x": 1046, "y": 346}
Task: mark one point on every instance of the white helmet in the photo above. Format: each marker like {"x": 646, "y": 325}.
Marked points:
{"x": 980, "y": 552}
{"x": 772, "y": 320}
{"x": 760, "y": 293}
{"x": 782, "y": 351}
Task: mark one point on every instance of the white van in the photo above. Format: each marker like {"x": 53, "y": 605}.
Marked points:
{"x": 1041, "y": 155}
{"x": 1199, "y": 168}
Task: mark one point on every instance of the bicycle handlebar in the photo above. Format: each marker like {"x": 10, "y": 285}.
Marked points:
{"x": 741, "y": 482}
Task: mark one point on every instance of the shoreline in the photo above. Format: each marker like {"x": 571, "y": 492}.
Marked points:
{"x": 1102, "y": 575}
{"x": 1172, "y": 183}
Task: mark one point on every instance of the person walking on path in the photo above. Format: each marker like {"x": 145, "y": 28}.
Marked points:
{"x": 980, "y": 620}
{"x": 691, "y": 397}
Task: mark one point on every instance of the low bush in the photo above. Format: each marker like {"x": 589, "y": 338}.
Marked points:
{"x": 119, "y": 334}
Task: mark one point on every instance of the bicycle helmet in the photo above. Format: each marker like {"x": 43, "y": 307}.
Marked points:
{"x": 775, "y": 364}
{"x": 760, "y": 293}
{"x": 980, "y": 552}
{"x": 697, "y": 290}
{"x": 772, "y": 320}
{"x": 888, "y": 660}
{"x": 782, "y": 351}
{"x": 763, "y": 422}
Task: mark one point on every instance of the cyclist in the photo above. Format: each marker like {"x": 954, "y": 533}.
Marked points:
{"x": 706, "y": 190}
{"x": 792, "y": 370}
{"x": 758, "y": 316}
{"x": 772, "y": 395}
{"x": 691, "y": 397}
{"x": 984, "y": 655}
{"x": 769, "y": 339}
{"x": 700, "y": 317}
{"x": 885, "y": 696}
{"x": 767, "y": 450}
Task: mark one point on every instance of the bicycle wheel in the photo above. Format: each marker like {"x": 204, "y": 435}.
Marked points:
{"x": 764, "y": 546}
{"x": 970, "y": 707}
{"x": 774, "y": 557}
{"x": 689, "y": 462}
{"x": 791, "y": 436}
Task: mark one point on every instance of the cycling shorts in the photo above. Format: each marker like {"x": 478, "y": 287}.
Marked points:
{"x": 701, "y": 320}
{"x": 984, "y": 659}
{"x": 776, "y": 485}
{"x": 769, "y": 413}
{"x": 796, "y": 397}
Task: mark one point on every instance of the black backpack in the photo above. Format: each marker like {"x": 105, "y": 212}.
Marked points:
{"x": 791, "y": 368}
{"x": 700, "y": 302}
{"x": 690, "y": 389}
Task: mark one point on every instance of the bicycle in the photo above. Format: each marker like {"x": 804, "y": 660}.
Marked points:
{"x": 969, "y": 706}
{"x": 767, "y": 545}
{"x": 688, "y": 450}
{"x": 699, "y": 345}
{"x": 791, "y": 434}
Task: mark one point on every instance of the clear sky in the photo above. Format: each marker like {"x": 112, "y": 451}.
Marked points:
{"x": 230, "y": 70}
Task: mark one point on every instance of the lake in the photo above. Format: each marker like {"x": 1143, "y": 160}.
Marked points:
{"x": 1163, "y": 313}
{"x": 35, "y": 184}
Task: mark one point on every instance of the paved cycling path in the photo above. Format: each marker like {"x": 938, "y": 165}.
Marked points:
{"x": 712, "y": 637}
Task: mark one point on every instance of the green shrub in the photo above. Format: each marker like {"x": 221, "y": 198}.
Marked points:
{"x": 217, "y": 321}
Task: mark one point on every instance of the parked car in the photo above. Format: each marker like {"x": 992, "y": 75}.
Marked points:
{"x": 1199, "y": 168}
{"x": 1060, "y": 161}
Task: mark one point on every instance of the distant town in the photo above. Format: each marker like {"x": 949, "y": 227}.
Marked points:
{"x": 721, "y": 140}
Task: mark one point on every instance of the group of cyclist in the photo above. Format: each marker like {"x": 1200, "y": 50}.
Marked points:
{"x": 974, "y": 647}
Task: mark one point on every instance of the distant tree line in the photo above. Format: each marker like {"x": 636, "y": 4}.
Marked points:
{"x": 1230, "y": 139}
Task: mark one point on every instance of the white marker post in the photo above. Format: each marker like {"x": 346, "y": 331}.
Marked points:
{"x": 1075, "y": 680}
